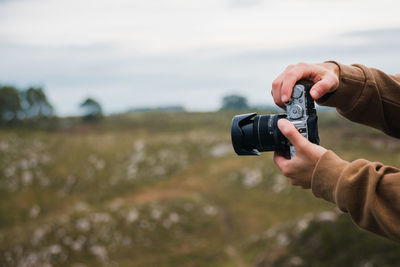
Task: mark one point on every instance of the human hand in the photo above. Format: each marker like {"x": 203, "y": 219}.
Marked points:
{"x": 325, "y": 77}
{"x": 299, "y": 168}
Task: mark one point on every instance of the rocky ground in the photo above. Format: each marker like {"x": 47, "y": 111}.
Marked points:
{"x": 167, "y": 190}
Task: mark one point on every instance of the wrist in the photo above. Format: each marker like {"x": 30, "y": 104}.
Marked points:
{"x": 326, "y": 175}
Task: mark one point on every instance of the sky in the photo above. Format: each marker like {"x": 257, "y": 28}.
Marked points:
{"x": 147, "y": 53}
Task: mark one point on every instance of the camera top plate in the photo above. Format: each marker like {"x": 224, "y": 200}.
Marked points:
{"x": 299, "y": 108}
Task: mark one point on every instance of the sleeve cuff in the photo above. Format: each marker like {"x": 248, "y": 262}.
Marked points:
{"x": 352, "y": 80}
{"x": 326, "y": 175}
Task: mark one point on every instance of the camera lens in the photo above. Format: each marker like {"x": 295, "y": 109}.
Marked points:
{"x": 252, "y": 133}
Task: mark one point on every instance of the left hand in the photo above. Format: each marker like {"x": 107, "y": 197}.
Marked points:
{"x": 299, "y": 168}
{"x": 325, "y": 77}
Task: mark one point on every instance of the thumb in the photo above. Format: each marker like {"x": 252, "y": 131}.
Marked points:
{"x": 292, "y": 134}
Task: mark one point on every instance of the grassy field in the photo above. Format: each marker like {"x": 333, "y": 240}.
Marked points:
{"x": 166, "y": 189}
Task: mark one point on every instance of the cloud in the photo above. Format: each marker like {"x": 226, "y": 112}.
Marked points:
{"x": 196, "y": 78}
{"x": 176, "y": 25}
{"x": 134, "y": 53}
{"x": 245, "y": 3}
{"x": 377, "y": 35}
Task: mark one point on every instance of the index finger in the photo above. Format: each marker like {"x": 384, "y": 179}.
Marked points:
{"x": 276, "y": 90}
{"x": 289, "y": 82}
{"x": 300, "y": 71}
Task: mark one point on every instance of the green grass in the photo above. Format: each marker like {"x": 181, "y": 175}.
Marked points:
{"x": 166, "y": 189}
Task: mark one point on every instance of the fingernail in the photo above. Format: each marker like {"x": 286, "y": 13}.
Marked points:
{"x": 283, "y": 98}
{"x": 281, "y": 124}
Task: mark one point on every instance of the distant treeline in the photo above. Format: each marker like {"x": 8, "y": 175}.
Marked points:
{"x": 161, "y": 109}
{"x": 32, "y": 104}
{"x": 17, "y": 104}
{"x": 238, "y": 102}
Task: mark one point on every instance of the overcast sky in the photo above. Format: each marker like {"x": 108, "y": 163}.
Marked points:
{"x": 136, "y": 53}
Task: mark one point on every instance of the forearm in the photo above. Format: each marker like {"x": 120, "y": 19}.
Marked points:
{"x": 367, "y": 96}
{"x": 368, "y": 191}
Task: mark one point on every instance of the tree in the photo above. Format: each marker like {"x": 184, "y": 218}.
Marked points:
{"x": 234, "y": 102}
{"x": 10, "y": 104}
{"x": 92, "y": 110}
{"x": 17, "y": 105}
{"x": 35, "y": 103}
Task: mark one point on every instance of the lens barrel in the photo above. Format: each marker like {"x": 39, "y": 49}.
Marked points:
{"x": 252, "y": 133}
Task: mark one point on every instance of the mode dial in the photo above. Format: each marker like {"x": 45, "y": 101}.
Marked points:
{"x": 295, "y": 112}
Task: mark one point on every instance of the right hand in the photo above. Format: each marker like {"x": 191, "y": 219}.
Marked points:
{"x": 301, "y": 167}
{"x": 325, "y": 77}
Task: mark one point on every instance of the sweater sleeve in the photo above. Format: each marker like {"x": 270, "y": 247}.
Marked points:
{"x": 368, "y": 96}
{"x": 368, "y": 191}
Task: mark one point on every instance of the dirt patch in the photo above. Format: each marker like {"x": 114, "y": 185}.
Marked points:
{"x": 156, "y": 195}
{"x": 196, "y": 179}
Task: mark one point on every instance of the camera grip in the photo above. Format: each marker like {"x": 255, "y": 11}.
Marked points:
{"x": 312, "y": 124}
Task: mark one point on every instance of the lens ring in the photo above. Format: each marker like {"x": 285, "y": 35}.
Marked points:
{"x": 258, "y": 133}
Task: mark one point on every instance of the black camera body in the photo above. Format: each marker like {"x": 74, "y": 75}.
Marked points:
{"x": 252, "y": 133}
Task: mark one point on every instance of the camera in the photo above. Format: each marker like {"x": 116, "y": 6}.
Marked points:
{"x": 252, "y": 133}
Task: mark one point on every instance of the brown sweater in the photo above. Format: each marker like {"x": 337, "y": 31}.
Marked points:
{"x": 368, "y": 191}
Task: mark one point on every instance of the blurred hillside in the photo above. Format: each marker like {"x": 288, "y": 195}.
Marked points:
{"x": 166, "y": 189}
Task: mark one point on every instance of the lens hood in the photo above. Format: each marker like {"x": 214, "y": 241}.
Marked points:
{"x": 240, "y": 122}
